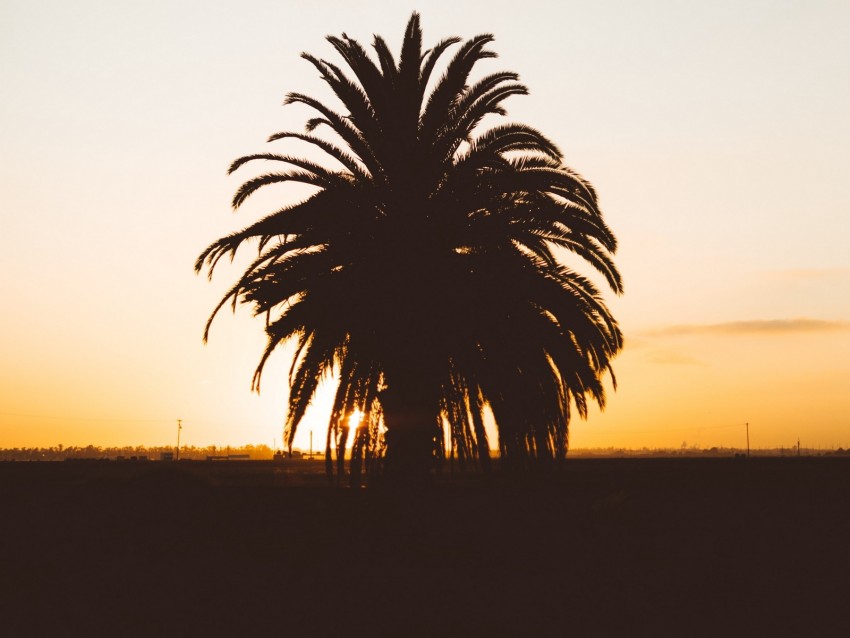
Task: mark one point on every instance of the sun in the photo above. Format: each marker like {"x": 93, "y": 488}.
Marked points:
{"x": 354, "y": 419}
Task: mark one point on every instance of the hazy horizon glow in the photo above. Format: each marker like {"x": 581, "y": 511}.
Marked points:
{"x": 716, "y": 134}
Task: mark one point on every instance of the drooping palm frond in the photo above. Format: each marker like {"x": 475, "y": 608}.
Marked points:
{"x": 424, "y": 272}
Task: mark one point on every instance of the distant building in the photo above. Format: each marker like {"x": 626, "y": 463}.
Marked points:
{"x": 292, "y": 454}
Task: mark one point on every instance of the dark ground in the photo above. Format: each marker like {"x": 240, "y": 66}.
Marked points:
{"x": 616, "y": 547}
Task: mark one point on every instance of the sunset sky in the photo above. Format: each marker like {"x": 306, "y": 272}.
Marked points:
{"x": 717, "y": 134}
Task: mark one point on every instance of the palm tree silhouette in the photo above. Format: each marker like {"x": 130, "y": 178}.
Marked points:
{"x": 422, "y": 271}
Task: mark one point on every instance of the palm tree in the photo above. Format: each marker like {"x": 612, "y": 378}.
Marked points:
{"x": 422, "y": 272}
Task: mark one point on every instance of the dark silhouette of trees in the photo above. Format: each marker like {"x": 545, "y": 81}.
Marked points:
{"x": 423, "y": 270}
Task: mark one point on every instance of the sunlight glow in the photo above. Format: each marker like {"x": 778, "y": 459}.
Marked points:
{"x": 354, "y": 420}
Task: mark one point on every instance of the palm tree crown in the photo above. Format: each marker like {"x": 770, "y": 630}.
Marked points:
{"x": 421, "y": 272}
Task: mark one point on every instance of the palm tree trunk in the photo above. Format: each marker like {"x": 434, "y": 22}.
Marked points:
{"x": 355, "y": 465}
{"x": 329, "y": 461}
{"x": 411, "y": 422}
{"x": 342, "y": 440}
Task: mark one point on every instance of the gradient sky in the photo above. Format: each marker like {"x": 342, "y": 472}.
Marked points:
{"x": 717, "y": 134}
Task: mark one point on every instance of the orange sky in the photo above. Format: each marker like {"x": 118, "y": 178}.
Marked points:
{"x": 716, "y": 133}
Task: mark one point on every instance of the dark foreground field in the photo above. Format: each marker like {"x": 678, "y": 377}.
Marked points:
{"x": 626, "y": 547}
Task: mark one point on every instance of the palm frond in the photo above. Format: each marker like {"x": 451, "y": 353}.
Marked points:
{"x": 349, "y": 161}
{"x": 429, "y": 61}
{"x": 385, "y": 57}
{"x": 450, "y": 86}
{"x": 253, "y": 185}
{"x": 349, "y": 133}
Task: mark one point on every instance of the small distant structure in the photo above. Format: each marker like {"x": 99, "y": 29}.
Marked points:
{"x": 166, "y": 456}
{"x": 230, "y": 457}
{"x": 291, "y": 454}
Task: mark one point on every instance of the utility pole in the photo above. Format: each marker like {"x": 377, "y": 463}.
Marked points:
{"x": 311, "y": 445}
{"x": 748, "y": 438}
{"x": 179, "y": 427}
